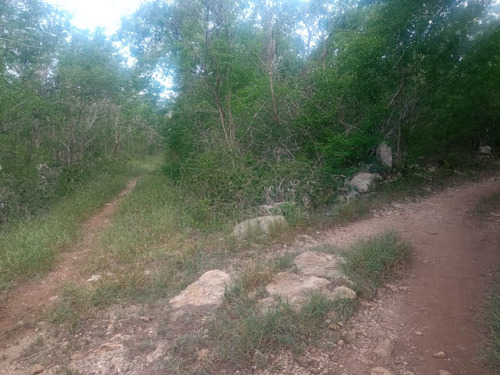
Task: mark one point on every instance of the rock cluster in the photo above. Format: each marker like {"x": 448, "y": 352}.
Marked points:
{"x": 317, "y": 273}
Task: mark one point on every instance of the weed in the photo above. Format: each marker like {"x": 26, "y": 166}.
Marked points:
{"x": 73, "y": 305}
{"x": 283, "y": 262}
{"x": 246, "y": 333}
{"x": 352, "y": 210}
{"x": 295, "y": 214}
{"x": 31, "y": 248}
{"x": 242, "y": 330}
{"x": 344, "y": 308}
{"x": 369, "y": 263}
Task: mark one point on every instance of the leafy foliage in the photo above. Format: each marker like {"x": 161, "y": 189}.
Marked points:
{"x": 68, "y": 106}
{"x": 266, "y": 95}
{"x": 319, "y": 83}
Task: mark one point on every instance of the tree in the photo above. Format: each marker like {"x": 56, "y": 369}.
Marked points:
{"x": 383, "y": 61}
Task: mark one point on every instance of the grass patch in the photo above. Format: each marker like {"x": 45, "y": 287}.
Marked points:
{"x": 150, "y": 251}
{"x": 370, "y": 263}
{"x": 283, "y": 262}
{"x": 72, "y": 307}
{"x": 245, "y": 332}
{"x": 30, "y": 248}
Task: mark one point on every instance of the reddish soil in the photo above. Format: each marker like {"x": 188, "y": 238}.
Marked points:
{"x": 436, "y": 307}
{"x": 28, "y": 300}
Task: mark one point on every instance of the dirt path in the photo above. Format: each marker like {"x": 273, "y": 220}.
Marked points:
{"x": 27, "y": 301}
{"x": 435, "y": 308}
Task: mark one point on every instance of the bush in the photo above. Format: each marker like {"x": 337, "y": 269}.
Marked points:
{"x": 223, "y": 185}
{"x": 370, "y": 263}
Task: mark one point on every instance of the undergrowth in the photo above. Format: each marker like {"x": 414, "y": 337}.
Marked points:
{"x": 31, "y": 247}
{"x": 245, "y": 332}
{"x": 414, "y": 181}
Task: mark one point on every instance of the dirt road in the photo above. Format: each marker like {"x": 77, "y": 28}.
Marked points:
{"x": 433, "y": 308}
{"x": 436, "y": 306}
{"x": 27, "y": 301}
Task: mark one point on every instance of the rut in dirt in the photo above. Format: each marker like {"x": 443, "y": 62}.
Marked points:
{"x": 27, "y": 301}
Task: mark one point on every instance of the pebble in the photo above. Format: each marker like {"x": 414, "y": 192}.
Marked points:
{"x": 439, "y": 355}
{"x": 334, "y": 326}
{"x": 384, "y": 348}
{"x": 444, "y": 372}
{"x": 380, "y": 371}
{"x": 37, "y": 369}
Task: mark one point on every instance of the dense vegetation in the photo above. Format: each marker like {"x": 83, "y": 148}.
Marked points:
{"x": 272, "y": 101}
{"x": 69, "y": 109}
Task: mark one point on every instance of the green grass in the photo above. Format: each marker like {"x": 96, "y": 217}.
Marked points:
{"x": 245, "y": 333}
{"x": 242, "y": 330}
{"x": 370, "y": 263}
{"x": 31, "y": 248}
{"x": 150, "y": 251}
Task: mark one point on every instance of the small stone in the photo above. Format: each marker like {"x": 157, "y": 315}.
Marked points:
{"x": 37, "y": 369}
{"x": 485, "y": 150}
{"x": 203, "y": 354}
{"x": 334, "y": 326}
{"x": 406, "y": 372}
{"x": 439, "y": 355}
{"x": 444, "y": 372}
{"x": 146, "y": 319}
{"x": 418, "y": 333}
{"x": 380, "y": 371}
{"x": 207, "y": 290}
{"x": 343, "y": 292}
{"x": 94, "y": 278}
{"x": 348, "y": 337}
{"x": 384, "y": 348}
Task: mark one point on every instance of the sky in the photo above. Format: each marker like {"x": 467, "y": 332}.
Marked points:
{"x": 89, "y": 14}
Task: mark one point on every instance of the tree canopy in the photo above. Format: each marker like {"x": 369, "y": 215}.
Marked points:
{"x": 68, "y": 102}
{"x": 271, "y": 98}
